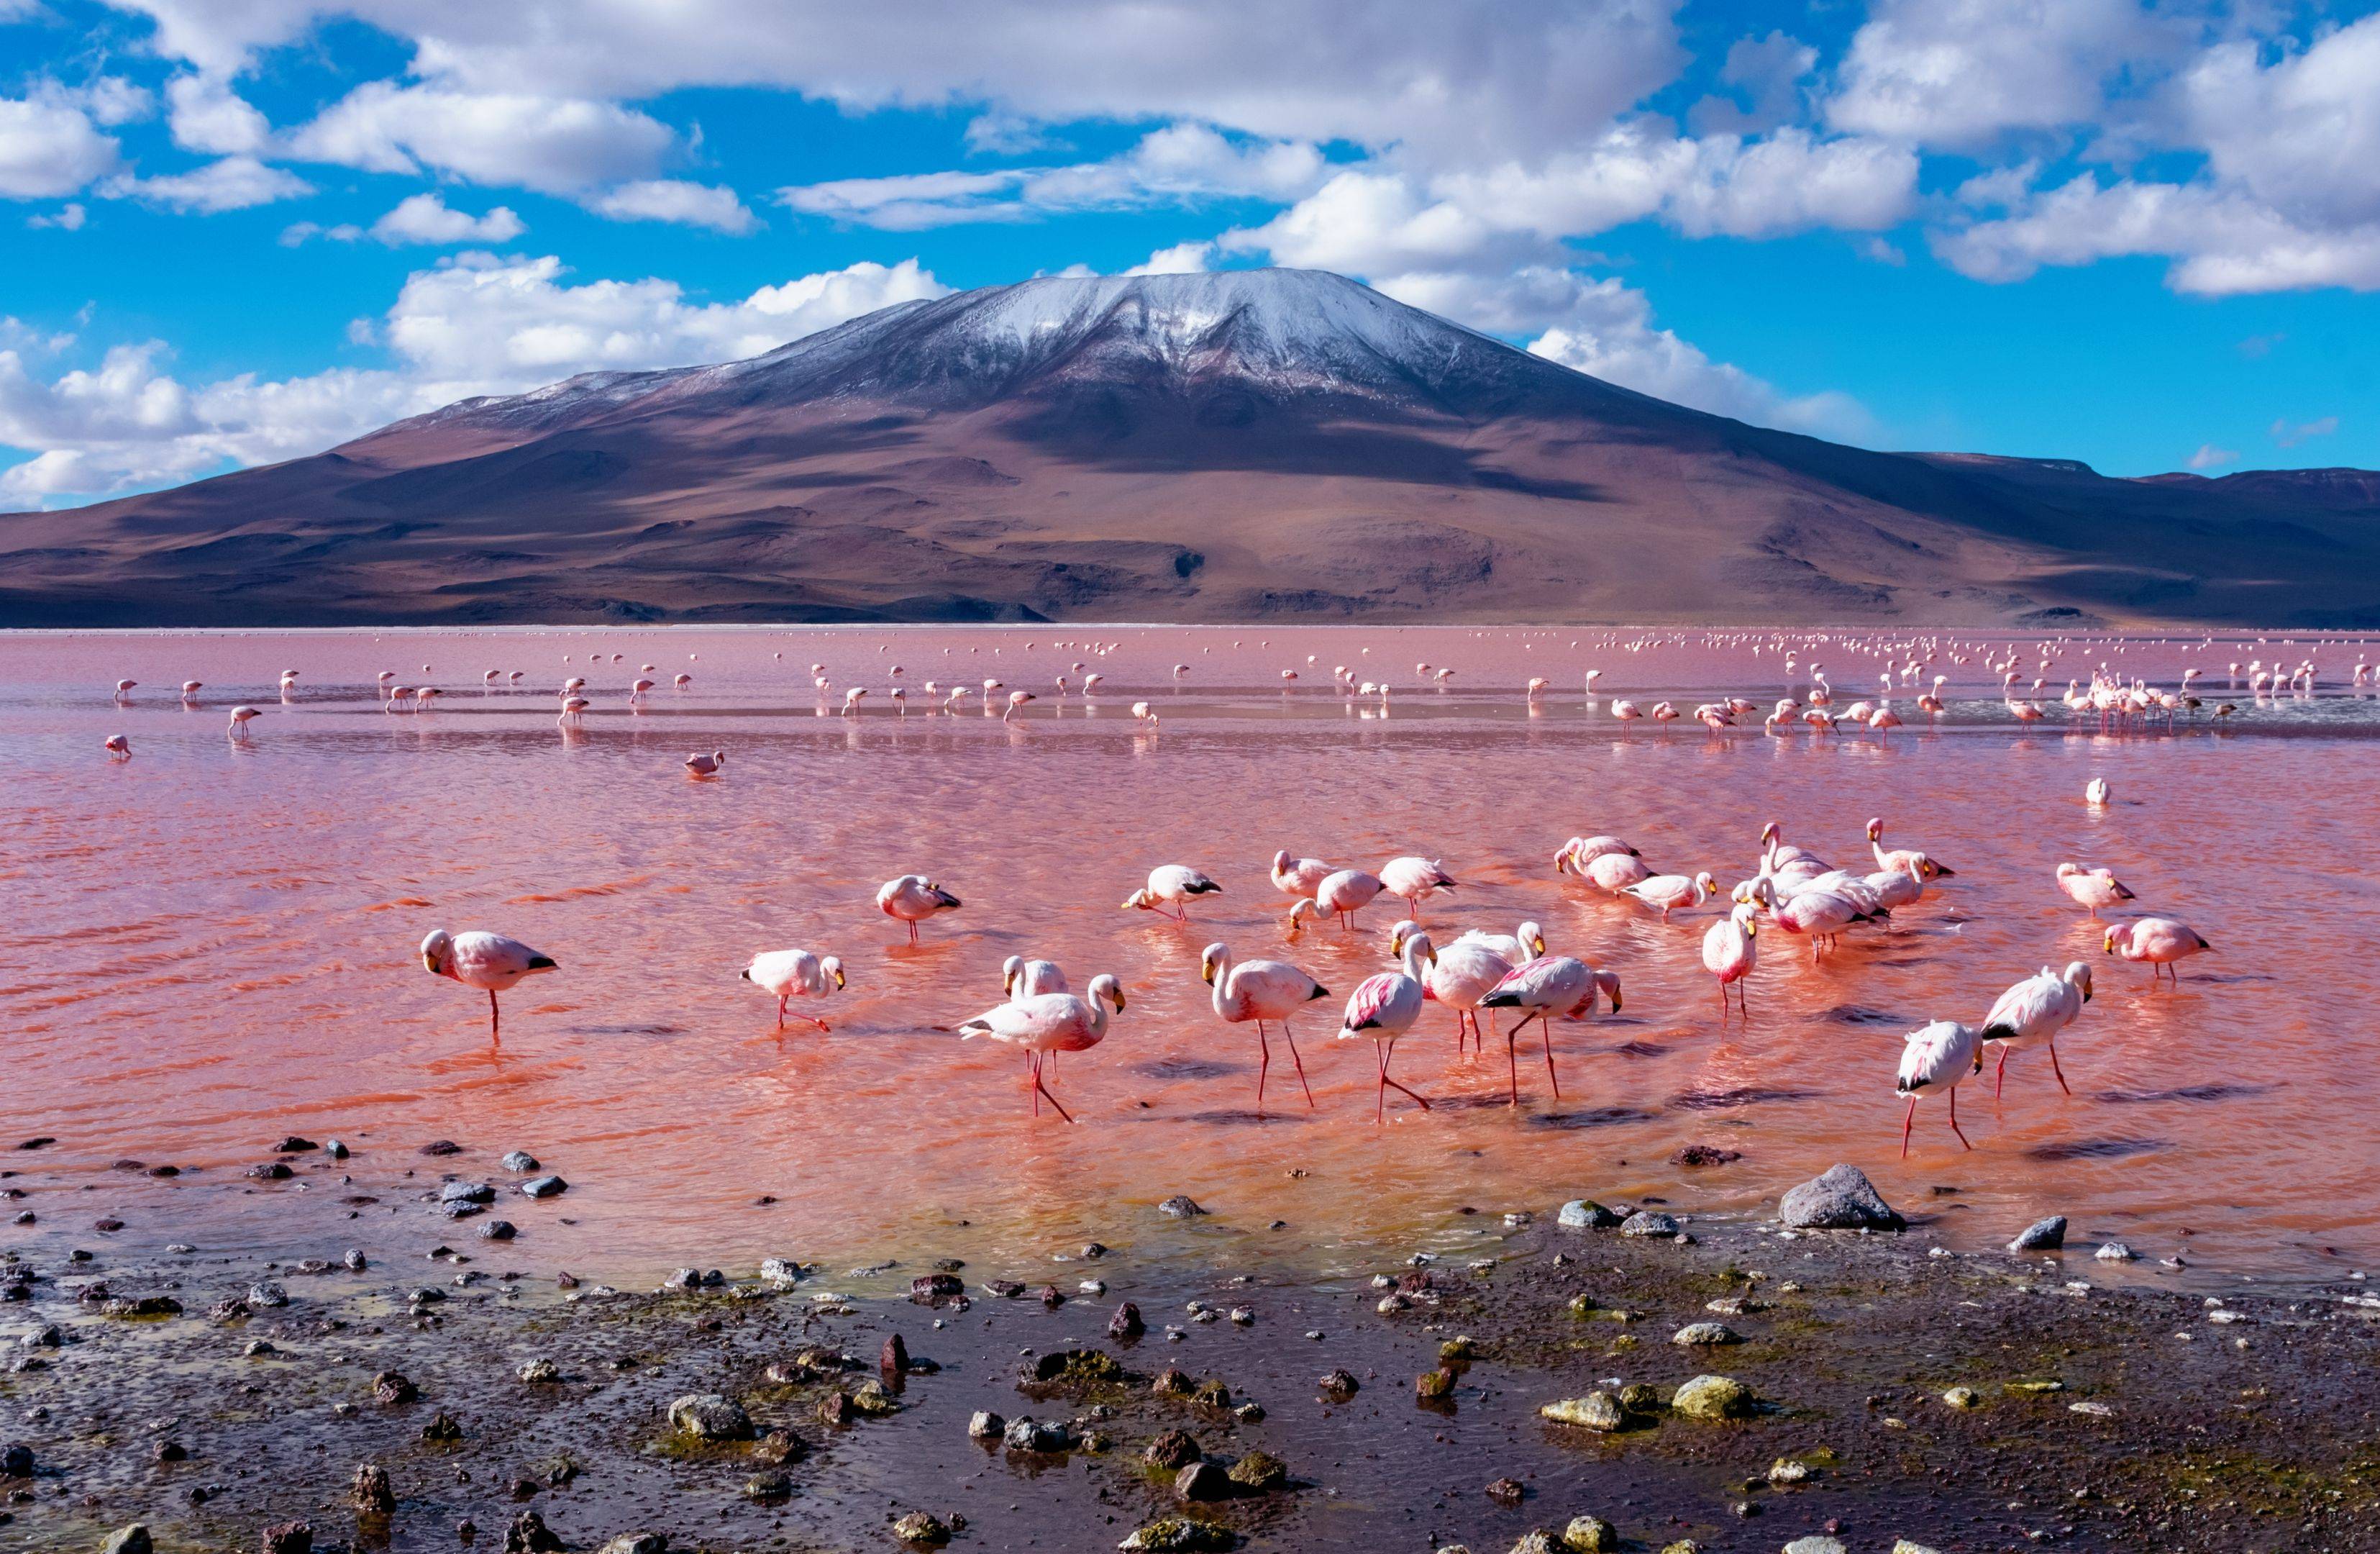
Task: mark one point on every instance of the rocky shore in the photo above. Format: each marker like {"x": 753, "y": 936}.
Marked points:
{"x": 1619, "y": 1377}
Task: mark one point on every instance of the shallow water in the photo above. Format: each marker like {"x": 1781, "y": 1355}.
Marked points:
{"x": 209, "y": 946}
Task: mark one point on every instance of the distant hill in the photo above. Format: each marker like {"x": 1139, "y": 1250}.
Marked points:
{"x": 1250, "y": 444}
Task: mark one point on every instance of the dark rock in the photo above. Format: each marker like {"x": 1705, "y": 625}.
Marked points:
{"x": 1341, "y": 1383}
{"x": 16, "y": 1460}
{"x": 1173, "y": 1450}
{"x": 443, "y": 1426}
{"x": 357, "y": 1262}
{"x": 37, "y": 1142}
{"x": 1126, "y": 1322}
{"x": 780, "y": 1447}
{"x": 2041, "y": 1235}
{"x": 932, "y": 1289}
{"x": 1438, "y": 1383}
{"x": 294, "y": 1145}
{"x": 1178, "y": 1535}
{"x": 1003, "y": 1289}
{"x": 1170, "y": 1383}
{"x": 1212, "y": 1392}
{"x": 1181, "y": 1206}
{"x": 391, "y": 1388}
{"x": 289, "y": 1537}
{"x": 272, "y": 1171}
{"x": 1203, "y": 1481}
{"x": 711, "y": 1416}
{"x": 1586, "y": 1214}
{"x": 1507, "y": 1491}
{"x": 894, "y": 1356}
{"x": 1028, "y": 1434}
{"x": 466, "y": 1192}
{"x": 520, "y": 1163}
{"x": 1077, "y": 1367}
{"x": 498, "y": 1230}
{"x": 1051, "y": 1297}
{"x": 372, "y": 1495}
{"x": 133, "y": 1540}
{"x": 169, "y": 1451}
{"x": 1707, "y": 1155}
{"x": 769, "y": 1488}
{"x": 530, "y": 1534}
{"x": 544, "y": 1186}
{"x": 1842, "y": 1198}
{"x": 441, "y": 1146}
{"x": 142, "y": 1306}
{"x": 986, "y": 1425}
{"x": 1647, "y": 1222}
{"x": 921, "y": 1527}
{"x": 264, "y": 1295}
{"x": 835, "y": 1409}
{"x": 336, "y": 1150}
{"x": 230, "y": 1310}
{"x": 108, "y": 1226}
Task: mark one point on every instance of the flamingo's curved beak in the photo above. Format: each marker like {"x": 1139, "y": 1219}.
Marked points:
{"x": 838, "y": 980}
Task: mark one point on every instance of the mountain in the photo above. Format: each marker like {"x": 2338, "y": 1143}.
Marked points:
{"x": 1250, "y": 444}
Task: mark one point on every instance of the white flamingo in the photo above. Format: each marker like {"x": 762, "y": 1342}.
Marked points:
{"x": 788, "y": 972}
{"x": 1267, "y": 992}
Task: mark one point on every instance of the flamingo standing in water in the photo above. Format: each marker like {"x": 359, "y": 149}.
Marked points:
{"x": 1415, "y": 878}
{"x": 1465, "y": 972}
{"x": 2158, "y": 940}
{"x": 240, "y": 717}
{"x": 487, "y": 960}
{"x": 1299, "y": 877}
{"x": 1936, "y": 1059}
{"x": 1731, "y": 948}
{"x": 787, "y": 972}
{"x": 913, "y": 898}
{"x": 700, "y": 765}
{"x": 1545, "y": 987}
{"x": 1670, "y": 891}
{"x": 1267, "y": 992}
{"x": 119, "y": 747}
{"x": 1895, "y": 859}
{"x": 2092, "y": 887}
{"x": 1383, "y": 1008}
{"x": 2031, "y": 1013}
{"x": 1048, "y": 1024}
{"x": 1339, "y": 895}
{"x": 1171, "y": 884}
{"x": 1020, "y": 978}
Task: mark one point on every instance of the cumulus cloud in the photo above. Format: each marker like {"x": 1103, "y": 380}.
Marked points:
{"x": 67, "y": 218}
{"x": 427, "y": 218}
{"x": 473, "y": 324}
{"x": 233, "y": 183}
{"x": 1181, "y": 258}
{"x": 206, "y": 116}
{"x": 1766, "y": 74}
{"x": 677, "y": 200}
{"x": 51, "y": 147}
{"x": 1606, "y": 329}
{"x": 552, "y": 144}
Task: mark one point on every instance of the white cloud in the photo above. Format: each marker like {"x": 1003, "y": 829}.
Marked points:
{"x": 551, "y": 145}
{"x": 69, "y": 217}
{"x": 1768, "y": 71}
{"x": 206, "y": 116}
{"x": 678, "y": 201}
{"x": 1963, "y": 73}
{"x": 1181, "y": 258}
{"x": 2209, "y": 457}
{"x": 2290, "y": 436}
{"x": 427, "y": 218}
{"x": 234, "y": 183}
{"x": 2302, "y": 135}
{"x": 1606, "y": 329}
{"x": 49, "y": 146}
{"x": 475, "y": 324}
{"x": 1445, "y": 78}
{"x": 908, "y": 202}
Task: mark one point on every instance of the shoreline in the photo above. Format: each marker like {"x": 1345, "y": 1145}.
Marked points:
{"x": 2092, "y": 1417}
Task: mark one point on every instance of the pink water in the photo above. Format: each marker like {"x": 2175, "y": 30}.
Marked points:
{"x": 211, "y": 945}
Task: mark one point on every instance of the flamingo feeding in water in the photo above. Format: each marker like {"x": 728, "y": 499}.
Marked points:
{"x": 487, "y": 960}
{"x": 1267, "y": 992}
{"x": 1934, "y": 1060}
{"x": 1547, "y": 986}
{"x": 1465, "y": 972}
{"x": 1299, "y": 877}
{"x": 787, "y": 972}
{"x": 2158, "y": 940}
{"x": 1171, "y": 884}
{"x": 1048, "y": 1024}
{"x": 1339, "y": 895}
{"x": 2031, "y": 1012}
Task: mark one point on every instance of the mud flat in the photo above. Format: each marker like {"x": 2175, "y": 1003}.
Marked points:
{"x": 1875, "y": 1389}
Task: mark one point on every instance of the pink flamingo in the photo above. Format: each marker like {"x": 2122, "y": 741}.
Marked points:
{"x": 2031, "y": 1012}
{"x": 1048, "y": 1024}
{"x": 1936, "y": 1059}
{"x": 1383, "y": 1008}
{"x": 1545, "y": 987}
{"x": 1415, "y": 878}
{"x": 1267, "y": 992}
{"x": 1465, "y": 972}
{"x": 2092, "y": 887}
{"x": 2158, "y": 940}
{"x": 787, "y": 972}
{"x": 1171, "y": 884}
{"x": 1339, "y": 895}
{"x": 1730, "y": 949}
{"x": 913, "y": 898}
{"x": 487, "y": 960}
{"x": 1298, "y": 877}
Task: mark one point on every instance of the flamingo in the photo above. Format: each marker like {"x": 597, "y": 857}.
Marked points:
{"x": 1526, "y": 944}
{"x": 119, "y": 747}
{"x": 1670, "y": 891}
{"x": 1264, "y": 991}
{"x": 1465, "y": 972}
{"x": 1020, "y": 978}
{"x": 787, "y": 972}
{"x": 1823, "y": 914}
{"x": 191, "y": 689}
{"x": 1415, "y": 878}
{"x": 124, "y": 689}
{"x": 1898, "y": 858}
{"x": 1171, "y": 884}
{"x": 572, "y": 707}
{"x": 1936, "y": 1059}
{"x": 487, "y": 960}
{"x": 2092, "y": 887}
{"x": 1545, "y": 987}
{"x": 1580, "y": 851}
{"x": 700, "y": 765}
{"x": 1730, "y": 949}
{"x": 2031, "y": 1012}
{"x": 240, "y": 717}
{"x": 1625, "y": 710}
{"x": 1384, "y": 1007}
{"x": 2158, "y": 940}
{"x": 1017, "y": 700}
{"x": 2094, "y": 793}
{"x": 1339, "y": 895}
{"x": 1048, "y": 1024}
{"x": 913, "y": 898}
{"x": 1299, "y": 877}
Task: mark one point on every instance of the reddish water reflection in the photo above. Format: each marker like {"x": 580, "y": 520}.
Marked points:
{"x": 209, "y": 946}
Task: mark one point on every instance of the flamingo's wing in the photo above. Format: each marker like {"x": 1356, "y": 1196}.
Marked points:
{"x": 1370, "y": 997}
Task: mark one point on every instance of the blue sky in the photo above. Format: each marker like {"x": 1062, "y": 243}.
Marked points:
{"x": 2142, "y": 235}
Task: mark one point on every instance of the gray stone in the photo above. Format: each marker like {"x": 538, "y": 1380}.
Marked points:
{"x": 780, "y": 1270}
{"x": 710, "y": 1416}
{"x": 498, "y": 1230}
{"x": 2116, "y": 1252}
{"x": 520, "y": 1163}
{"x": 638, "y": 1543}
{"x": 2041, "y": 1235}
{"x": 1586, "y": 1214}
{"x": 986, "y": 1425}
{"x": 538, "y": 1371}
{"x": 133, "y": 1540}
{"x": 1706, "y": 1333}
{"x": 267, "y": 1293}
{"x": 1597, "y": 1411}
{"x": 466, "y": 1192}
{"x": 1816, "y": 1546}
{"x": 1181, "y": 1206}
{"x": 1646, "y": 1222}
{"x": 1841, "y": 1199}
{"x": 1713, "y": 1397}
{"x": 544, "y": 1186}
